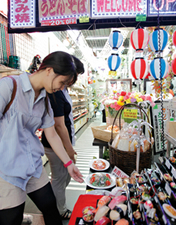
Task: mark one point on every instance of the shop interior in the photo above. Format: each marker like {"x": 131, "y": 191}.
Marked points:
{"x": 90, "y": 95}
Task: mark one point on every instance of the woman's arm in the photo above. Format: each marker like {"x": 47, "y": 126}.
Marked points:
{"x": 56, "y": 144}
{"x": 62, "y": 131}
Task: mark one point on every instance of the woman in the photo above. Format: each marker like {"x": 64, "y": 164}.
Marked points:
{"x": 61, "y": 104}
{"x": 21, "y": 170}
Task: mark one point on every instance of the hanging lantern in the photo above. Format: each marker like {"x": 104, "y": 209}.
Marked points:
{"x": 139, "y": 68}
{"x": 154, "y": 40}
{"x": 115, "y": 39}
{"x": 114, "y": 62}
{"x": 156, "y": 65}
{"x": 139, "y": 39}
{"x": 174, "y": 65}
{"x": 174, "y": 38}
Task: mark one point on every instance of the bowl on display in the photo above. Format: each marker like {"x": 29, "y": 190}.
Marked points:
{"x": 169, "y": 210}
{"x": 99, "y": 164}
{"x": 88, "y": 210}
{"x": 172, "y": 160}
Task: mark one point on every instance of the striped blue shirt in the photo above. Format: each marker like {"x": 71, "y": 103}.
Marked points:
{"x": 20, "y": 148}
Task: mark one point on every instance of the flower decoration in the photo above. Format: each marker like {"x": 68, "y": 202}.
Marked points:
{"x": 116, "y": 100}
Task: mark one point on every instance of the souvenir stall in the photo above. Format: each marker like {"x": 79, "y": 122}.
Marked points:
{"x": 130, "y": 187}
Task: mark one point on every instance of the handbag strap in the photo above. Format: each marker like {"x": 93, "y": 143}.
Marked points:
{"x": 12, "y": 96}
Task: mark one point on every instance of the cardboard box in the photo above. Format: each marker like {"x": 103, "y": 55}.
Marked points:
{"x": 100, "y": 133}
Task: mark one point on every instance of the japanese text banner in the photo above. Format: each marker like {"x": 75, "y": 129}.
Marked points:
{"x": 60, "y": 9}
{"x": 22, "y": 13}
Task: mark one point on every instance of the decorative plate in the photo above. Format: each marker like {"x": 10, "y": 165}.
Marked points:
{"x": 112, "y": 181}
{"x": 99, "y": 164}
{"x": 169, "y": 209}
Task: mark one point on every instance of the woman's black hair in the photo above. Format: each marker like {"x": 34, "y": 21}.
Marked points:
{"x": 79, "y": 69}
{"x": 62, "y": 63}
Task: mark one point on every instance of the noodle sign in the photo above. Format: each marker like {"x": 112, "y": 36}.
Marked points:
{"x": 130, "y": 113}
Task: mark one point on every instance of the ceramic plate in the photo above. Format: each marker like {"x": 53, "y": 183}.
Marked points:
{"x": 101, "y": 160}
{"x": 98, "y": 192}
{"x": 168, "y": 212}
{"x": 113, "y": 181}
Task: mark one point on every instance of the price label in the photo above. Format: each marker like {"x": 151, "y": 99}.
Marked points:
{"x": 164, "y": 219}
{"x": 156, "y": 200}
{"x": 130, "y": 113}
{"x": 168, "y": 190}
{"x": 161, "y": 159}
{"x": 83, "y": 19}
{"x": 112, "y": 73}
{"x": 143, "y": 216}
{"x": 174, "y": 172}
{"x": 140, "y": 17}
{"x": 129, "y": 209}
{"x": 167, "y": 164}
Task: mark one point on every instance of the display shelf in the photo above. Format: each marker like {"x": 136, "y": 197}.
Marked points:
{"x": 5, "y": 71}
{"x": 80, "y": 122}
{"x": 79, "y": 116}
{"x": 170, "y": 140}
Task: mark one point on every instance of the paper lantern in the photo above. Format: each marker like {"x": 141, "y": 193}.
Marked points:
{"x": 155, "y": 66}
{"x": 139, "y": 39}
{"x": 139, "y": 68}
{"x": 174, "y": 38}
{"x": 159, "y": 35}
{"x": 114, "y": 62}
{"x": 115, "y": 39}
{"x": 174, "y": 65}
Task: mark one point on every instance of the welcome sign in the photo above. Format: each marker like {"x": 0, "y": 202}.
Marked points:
{"x": 118, "y": 8}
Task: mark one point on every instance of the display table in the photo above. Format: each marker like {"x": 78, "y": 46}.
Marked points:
{"x": 101, "y": 144}
{"x": 83, "y": 201}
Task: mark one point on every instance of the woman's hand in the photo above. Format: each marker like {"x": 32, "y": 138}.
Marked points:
{"x": 75, "y": 173}
{"x": 72, "y": 154}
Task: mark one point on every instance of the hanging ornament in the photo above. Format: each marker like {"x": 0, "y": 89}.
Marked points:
{"x": 139, "y": 68}
{"x": 174, "y": 65}
{"x": 174, "y": 38}
{"x": 115, "y": 39}
{"x": 157, "y": 34}
{"x": 114, "y": 62}
{"x": 158, "y": 68}
{"x": 139, "y": 39}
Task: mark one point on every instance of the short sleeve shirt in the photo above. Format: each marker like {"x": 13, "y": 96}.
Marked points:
{"x": 20, "y": 148}
{"x": 61, "y": 107}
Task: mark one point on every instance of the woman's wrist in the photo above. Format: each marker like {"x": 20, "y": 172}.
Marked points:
{"x": 68, "y": 163}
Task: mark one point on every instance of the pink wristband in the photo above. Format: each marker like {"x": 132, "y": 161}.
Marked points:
{"x": 68, "y": 164}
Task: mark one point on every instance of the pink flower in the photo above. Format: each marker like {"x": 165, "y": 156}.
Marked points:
{"x": 143, "y": 97}
{"x": 112, "y": 106}
{"x": 152, "y": 104}
{"x": 149, "y": 98}
{"x": 117, "y": 107}
{"x": 126, "y": 97}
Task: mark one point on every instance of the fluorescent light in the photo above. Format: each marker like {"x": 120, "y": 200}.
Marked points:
{"x": 97, "y": 38}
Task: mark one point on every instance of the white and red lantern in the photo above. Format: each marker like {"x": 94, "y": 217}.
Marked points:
{"x": 174, "y": 38}
{"x": 139, "y": 39}
{"x": 174, "y": 65}
{"x": 139, "y": 68}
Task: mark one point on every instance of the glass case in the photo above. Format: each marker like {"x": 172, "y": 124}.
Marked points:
{"x": 118, "y": 85}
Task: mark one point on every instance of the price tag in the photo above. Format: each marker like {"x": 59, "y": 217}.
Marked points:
{"x": 164, "y": 219}
{"x": 174, "y": 172}
{"x": 129, "y": 209}
{"x": 156, "y": 200}
{"x": 130, "y": 113}
{"x": 112, "y": 73}
{"x": 131, "y": 215}
{"x": 140, "y": 17}
{"x": 167, "y": 164}
{"x": 168, "y": 190}
{"x": 161, "y": 159}
{"x": 83, "y": 19}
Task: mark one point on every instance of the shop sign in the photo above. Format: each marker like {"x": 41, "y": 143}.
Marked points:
{"x": 22, "y": 13}
{"x": 165, "y": 7}
{"x": 56, "y": 22}
{"x": 130, "y": 113}
{"x": 118, "y": 8}
{"x": 62, "y": 9}
{"x": 157, "y": 125}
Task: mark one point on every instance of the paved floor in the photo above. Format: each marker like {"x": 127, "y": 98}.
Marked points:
{"x": 86, "y": 152}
